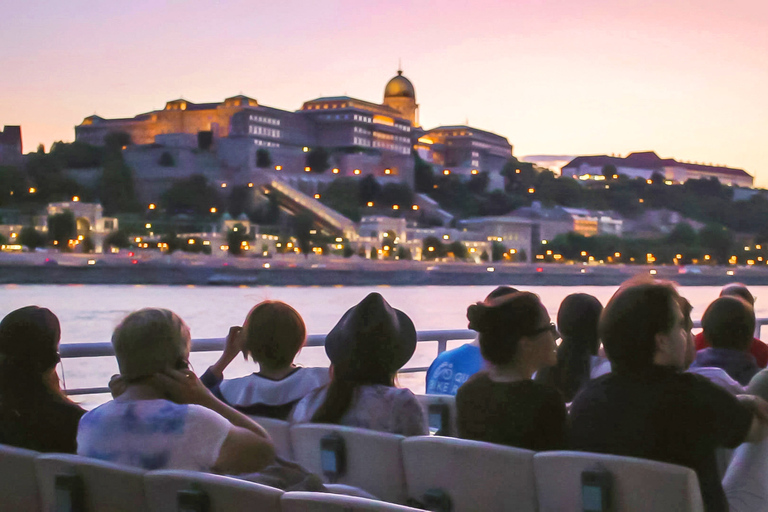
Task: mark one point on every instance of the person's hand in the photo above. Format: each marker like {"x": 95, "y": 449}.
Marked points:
{"x": 233, "y": 345}
{"x": 117, "y": 385}
{"x": 235, "y": 342}
{"x": 182, "y": 387}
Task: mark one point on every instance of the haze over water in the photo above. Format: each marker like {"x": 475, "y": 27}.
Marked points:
{"x": 89, "y": 313}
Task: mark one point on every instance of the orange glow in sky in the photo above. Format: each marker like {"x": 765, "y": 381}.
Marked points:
{"x": 685, "y": 78}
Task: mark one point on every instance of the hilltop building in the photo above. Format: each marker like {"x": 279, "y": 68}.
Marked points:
{"x": 360, "y": 137}
{"x": 645, "y": 164}
{"x": 10, "y": 145}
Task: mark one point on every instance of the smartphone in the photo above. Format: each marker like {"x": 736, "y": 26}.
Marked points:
{"x": 70, "y": 494}
{"x": 192, "y": 500}
{"x": 332, "y": 456}
{"x": 596, "y": 487}
{"x": 439, "y": 418}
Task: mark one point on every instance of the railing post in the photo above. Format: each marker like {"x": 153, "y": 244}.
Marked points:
{"x": 442, "y": 345}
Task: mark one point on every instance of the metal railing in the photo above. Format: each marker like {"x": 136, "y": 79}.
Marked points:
{"x": 83, "y": 350}
{"x": 442, "y": 337}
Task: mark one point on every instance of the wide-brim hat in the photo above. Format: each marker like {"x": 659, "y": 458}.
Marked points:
{"x": 372, "y": 333}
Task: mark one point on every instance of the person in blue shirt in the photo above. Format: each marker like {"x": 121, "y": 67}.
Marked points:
{"x": 452, "y": 368}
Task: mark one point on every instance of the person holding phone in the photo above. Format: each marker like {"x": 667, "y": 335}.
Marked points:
{"x": 272, "y": 336}
{"x": 163, "y": 416}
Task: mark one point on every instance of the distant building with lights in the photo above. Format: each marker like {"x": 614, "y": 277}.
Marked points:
{"x": 645, "y": 164}
{"x": 361, "y": 137}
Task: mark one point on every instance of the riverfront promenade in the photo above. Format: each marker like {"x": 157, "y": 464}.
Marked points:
{"x": 180, "y": 269}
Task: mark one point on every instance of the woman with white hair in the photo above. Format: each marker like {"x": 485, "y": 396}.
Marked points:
{"x": 163, "y": 417}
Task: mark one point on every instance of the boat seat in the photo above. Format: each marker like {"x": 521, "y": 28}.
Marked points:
{"x": 224, "y": 493}
{"x": 441, "y": 412}
{"x": 18, "y": 480}
{"x": 373, "y": 459}
{"x": 105, "y": 486}
{"x": 324, "y": 502}
{"x": 638, "y": 485}
{"x": 473, "y": 475}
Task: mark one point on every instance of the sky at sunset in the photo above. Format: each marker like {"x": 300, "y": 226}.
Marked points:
{"x": 685, "y": 78}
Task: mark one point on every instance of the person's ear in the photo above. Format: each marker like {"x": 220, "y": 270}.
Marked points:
{"x": 662, "y": 343}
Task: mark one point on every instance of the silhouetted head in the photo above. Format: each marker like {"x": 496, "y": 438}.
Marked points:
{"x": 505, "y": 322}
{"x": 729, "y": 322}
{"x": 371, "y": 340}
{"x": 274, "y": 333}
{"x": 29, "y": 339}
{"x": 577, "y": 319}
{"x": 149, "y": 341}
{"x": 637, "y": 322}
{"x": 738, "y": 290}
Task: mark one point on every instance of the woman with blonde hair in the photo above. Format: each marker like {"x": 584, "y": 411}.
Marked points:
{"x": 163, "y": 417}
{"x": 272, "y": 336}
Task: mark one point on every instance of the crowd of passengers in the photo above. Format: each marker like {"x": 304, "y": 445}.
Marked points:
{"x": 628, "y": 379}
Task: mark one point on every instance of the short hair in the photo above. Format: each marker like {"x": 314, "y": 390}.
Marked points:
{"x": 738, "y": 290}
{"x": 632, "y": 318}
{"x": 729, "y": 322}
{"x": 274, "y": 333}
{"x": 149, "y": 341}
{"x": 501, "y": 322}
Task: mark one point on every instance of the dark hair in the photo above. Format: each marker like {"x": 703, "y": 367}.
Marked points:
{"x": 729, "y": 322}
{"x": 738, "y": 290}
{"x": 29, "y": 342}
{"x": 501, "y": 323}
{"x": 577, "y": 321}
{"x": 631, "y": 320}
{"x": 368, "y": 345}
{"x": 344, "y": 381}
{"x": 501, "y": 291}
{"x": 274, "y": 333}
{"x": 686, "y": 308}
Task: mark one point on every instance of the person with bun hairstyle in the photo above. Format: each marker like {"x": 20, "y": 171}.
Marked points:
{"x": 502, "y": 404}
{"x": 452, "y": 368}
{"x": 34, "y": 412}
{"x": 371, "y": 342}
{"x": 272, "y": 336}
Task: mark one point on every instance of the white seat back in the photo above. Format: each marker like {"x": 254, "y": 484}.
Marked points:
{"x": 323, "y": 502}
{"x": 225, "y": 493}
{"x": 280, "y": 432}
{"x": 638, "y": 485}
{"x": 106, "y": 487}
{"x": 18, "y": 480}
{"x": 374, "y": 459}
{"x": 447, "y": 401}
{"x": 475, "y": 475}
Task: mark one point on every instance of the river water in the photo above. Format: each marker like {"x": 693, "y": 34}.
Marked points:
{"x": 88, "y": 313}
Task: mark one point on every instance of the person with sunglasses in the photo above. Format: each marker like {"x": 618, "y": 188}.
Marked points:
{"x": 502, "y": 404}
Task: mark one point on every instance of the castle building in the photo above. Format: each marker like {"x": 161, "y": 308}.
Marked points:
{"x": 361, "y": 137}
{"x": 645, "y": 164}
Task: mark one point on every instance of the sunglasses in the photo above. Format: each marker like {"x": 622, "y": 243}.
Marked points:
{"x": 552, "y": 328}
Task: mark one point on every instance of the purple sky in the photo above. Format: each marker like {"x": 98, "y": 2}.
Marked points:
{"x": 686, "y": 78}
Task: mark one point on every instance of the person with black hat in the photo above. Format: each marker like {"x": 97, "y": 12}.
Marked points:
{"x": 34, "y": 412}
{"x": 367, "y": 347}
